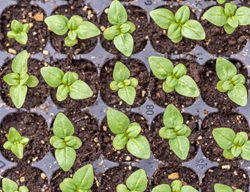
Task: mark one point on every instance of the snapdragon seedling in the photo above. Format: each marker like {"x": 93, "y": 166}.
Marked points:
{"x": 175, "y": 77}
{"x": 229, "y": 17}
{"x": 67, "y": 84}
{"x": 75, "y": 27}
{"x": 19, "y": 80}
{"x": 218, "y": 187}
{"x": 19, "y": 31}
{"x": 82, "y": 180}
{"x": 64, "y": 142}
{"x": 127, "y": 134}
{"x": 11, "y": 186}
{"x": 121, "y": 29}
{"x": 233, "y": 144}
{"x": 176, "y": 186}
{"x": 179, "y": 25}
{"x": 136, "y": 182}
{"x": 175, "y": 132}
{"x": 123, "y": 83}
{"x": 231, "y": 82}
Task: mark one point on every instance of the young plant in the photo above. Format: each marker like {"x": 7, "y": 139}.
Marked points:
{"x": 19, "y": 32}
{"x": 75, "y": 27}
{"x": 229, "y": 17}
{"x": 123, "y": 83}
{"x": 179, "y": 25}
{"x": 19, "y": 80}
{"x": 233, "y": 145}
{"x": 11, "y": 186}
{"x": 121, "y": 29}
{"x": 175, "y": 77}
{"x": 82, "y": 180}
{"x": 176, "y": 186}
{"x": 136, "y": 182}
{"x": 218, "y": 187}
{"x": 231, "y": 82}
{"x": 175, "y": 132}
{"x": 127, "y": 134}
{"x": 64, "y": 142}
{"x": 67, "y": 84}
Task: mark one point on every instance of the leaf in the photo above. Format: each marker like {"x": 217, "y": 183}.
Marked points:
{"x": 111, "y": 32}
{"x": 68, "y": 185}
{"x": 57, "y": 142}
{"x": 70, "y": 42}
{"x": 162, "y": 17}
{"x": 243, "y": 15}
{"x": 87, "y": 30}
{"x": 120, "y": 141}
{"x": 167, "y": 133}
{"x": 80, "y": 90}
{"x": 139, "y": 147}
{"x": 62, "y": 126}
{"x": 124, "y": 43}
{"x": 180, "y": 146}
{"x": 193, "y": 30}
{"x": 216, "y": 16}
{"x": 221, "y": 1}
{"x": 69, "y": 78}
{"x": 188, "y": 188}
{"x": 121, "y": 72}
{"x": 62, "y": 92}
{"x": 162, "y": 188}
{"x": 16, "y": 26}
{"x": 224, "y": 137}
{"x": 187, "y": 87}
{"x": 18, "y": 95}
{"x": 172, "y": 116}
{"x": 160, "y": 66}
{"x": 52, "y": 75}
{"x": 183, "y": 14}
{"x": 21, "y": 38}
{"x": 230, "y": 9}
{"x": 233, "y": 22}
{"x": 23, "y": 189}
{"x": 20, "y": 63}
{"x": 32, "y": 81}
{"x": 9, "y": 185}
{"x": 133, "y": 130}
{"x": 117, "y": 13}
{"x": 121, "y": 188}
{"x": 73, "y": 142}
{"x": 74, "y": 22}
{"x": 137, "y": 181}
{"x": 84, "y": 177}
{"x": 57, "y": 24}
{"x": 17, "y": 150}
{"x": 174, "y": 33}
{"x": 222, "y": 188}
{"x": 236, "y": 151}
{"x": 12, "y": 79}
{"x": 228, "y": 29}
{"x": 246, "y": 151}
{"x": 225, "y": 69}
{"x": 65, "y": 158}
{"x": 238, "y": 95}
{"x": 227, "y": 154}
{"x": 127, "y": 94}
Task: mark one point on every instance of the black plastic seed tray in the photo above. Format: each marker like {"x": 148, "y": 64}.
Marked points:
{"x": 200, "y": 164}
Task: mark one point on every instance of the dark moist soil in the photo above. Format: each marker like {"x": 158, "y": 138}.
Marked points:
{"x": 160, "y": 147}
{"x": 37, "y": 35}
{"x": 225, "y": 174}
{"x": 137, "y": 70}
{"x": 136, "y": 15}
{"x": 29, "y": 125}
{"x": 162, "y": 44}
{"x": 107, "y": 138}
{"x": 208, "y": 83}
{"x": 87, "y": 72}
{"x": 83, "y": 46}
{"x": 163, "y": 99}
{"x": 35, "y": 96}
{"x": 31, "y": 177}
{"x": 165, "y": 175}
{"x": 216, "y": 120}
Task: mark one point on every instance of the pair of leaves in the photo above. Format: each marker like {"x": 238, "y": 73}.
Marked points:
{"x": 231, "y": 82}
{"x": 76, "y": 27}
{"x": 127, "y": 134}
{"x": 229, "y": 17}
{"x": 64, "y": 142}
{"x": 218, "y": 187}
{"x": 175, "y": 77}
{"x": 67, "y": 84}
{"x": 19, "y": 80}
{"x": 176, "y": 186}
{"x": 123, "y": 83}
{"x": 82, "y": 180}
{"x": 121, "y": 29}
{"x": 179, "y": 25}
{"x": 19, "y": 32}
{"x": 136, "y": 182}
{"x": 11, "y": 186}
{"x": 175, "y": 132}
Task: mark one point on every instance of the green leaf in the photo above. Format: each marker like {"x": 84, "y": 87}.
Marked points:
{"x": 88, "y": 30}
{"x": 80, "y": 90}
{"x": 167, "y": 133}
{"x": 162, "y": 188}
{"x": 17, "y": 150}
{"x": 246, "y": 151}
{"x": 230, "y": 9}
{"x": 70, "y": 42}
{"x": 127, "y": 94}
{"x": 174, "y": 33}
{"x": 18, "y": 95}
{"x": 229, "y": 30}
{"x": 21, "y": 38}
{"x": 137, "y": 181}
{"x": 193, "y": 30}
{"x": 188, "y": 188}
{"x": 221, "y": 1}
{"x": 187, "y": 87}
{"x": 122, "y": 188}
{"x": 172, "y": 116}
{"x": 120, "y": 141}
{"x": 216, "y": 16}
{"x": 236, "y": 151}
{"x": 162, "y": 17}
{"x": 225, "y": 69}
{"x": 224, "y": 137}
{"x": 117, "y": 13}
{"x": 65, "y": 158}
{"x": 11, "y": 79}
{"x": 72, "y": 35}
{"x": 111, "y": 32}
{"x": 84, "y": 177}
{"x": 14, "y": 135}
{"x": 74, "y": 22}
{"x": 238, "y": 95}
{"x": 11, "y": 35}
{"x": 233, "y": 22}
{"x": 32, "y": 81}
{"x": 16, "y": 26}
{"x": 9, "y": 185}
{"x": 227, "y": 154}
{"x": 222, "y": 188}
{"x": 62, "y": 92}
{"x": 20, "y": 62}
{"x": 243, "y": 15}
{"x": 183, "y": 14}
{"x": 69, "y": 78}
{"x": 62, "y": 126}
{"x": 52, "y": 75}
{"x": 133, "y": 130}
{"x": 132, "y": 26}
{"x": 23, "y": 189}
{"x": 73, "y": 142}
{"x": 68, "y": 185}
{"x": 57, "y": 142}
{"x": 180, "y": 146}
{"x": 124, "y": 43}
{"x": 57, "y": 24}
{"x": 139, "y": 147}
{"x": 121, "y": 72}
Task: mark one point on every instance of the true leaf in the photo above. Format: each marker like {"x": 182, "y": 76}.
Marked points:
{"x": 87, "y": 30}
{"x": 187, "y": 87}
{"x": 238, "y": 95}
{"x": 193, "y": 30}
{"x": 52, "y": 75}
{"x": 137, "y": 181}
{"x": 124, "y": 43}
{"x": 121, "y": 72}
{"x": 139, "y": 147}
{"x": 80, "y": 90}
{"x": 57, "y": 24}
{"x": 120, "y": 141}
{"x": 127, "y": 94}
{"x": 180, "y": 146}
{"x": 18, "y": 95}
{"x": 243, "y": 15}
{"x": 65, "y": 158}
{"x": 216, "y": 16}
{"x": 84, "y": 177}
{"x": 62, "y": 126}
{"x": 246, "y": 151}
{"x": 20, "y": 62}
{"x": 162, "y": 17}
{"x": 172, "y": 116}
{"x": 117, "y": 13}
{"x": 183, "y": 14}
{"x": 224, "y": 137}
{"x": 32, "y": 81}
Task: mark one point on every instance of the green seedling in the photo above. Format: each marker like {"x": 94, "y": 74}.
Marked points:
{"x": 176, "y": 186}
{"x": 218, "y": 187}
{"x": 11, "y": 186}
{"x": 221, "y": 1}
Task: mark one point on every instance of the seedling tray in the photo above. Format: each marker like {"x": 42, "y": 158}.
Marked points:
{"x": 200, "y": 169}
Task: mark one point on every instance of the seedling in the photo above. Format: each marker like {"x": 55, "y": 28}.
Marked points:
{"x": 19, "y": 32}
{"x": 123, "y": 83}
{"x": 179, "y": 25}
{"x": 121, "y": 29}
{"x": 82, "y": 180}
{"x": 64, "y": 142}
{"x": 175, "y": 132}
{"x": 75, "y": 27}
{"x": 218, "y": 187}
{"x": 233, "y": 145}
{"x": 221, "y": 1}
{"x": 176, "y": 186}
{"x": 19, "y": 80}
{"x": 127, "y": 134}
{"x": 175, "y": 77}
{"x": 229, "y": 17}
{"x": 11, "y": 186}
{"x": 67, "y": 84}
{"x": 231, "y": 82}
{"x": 136, "y": 182}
